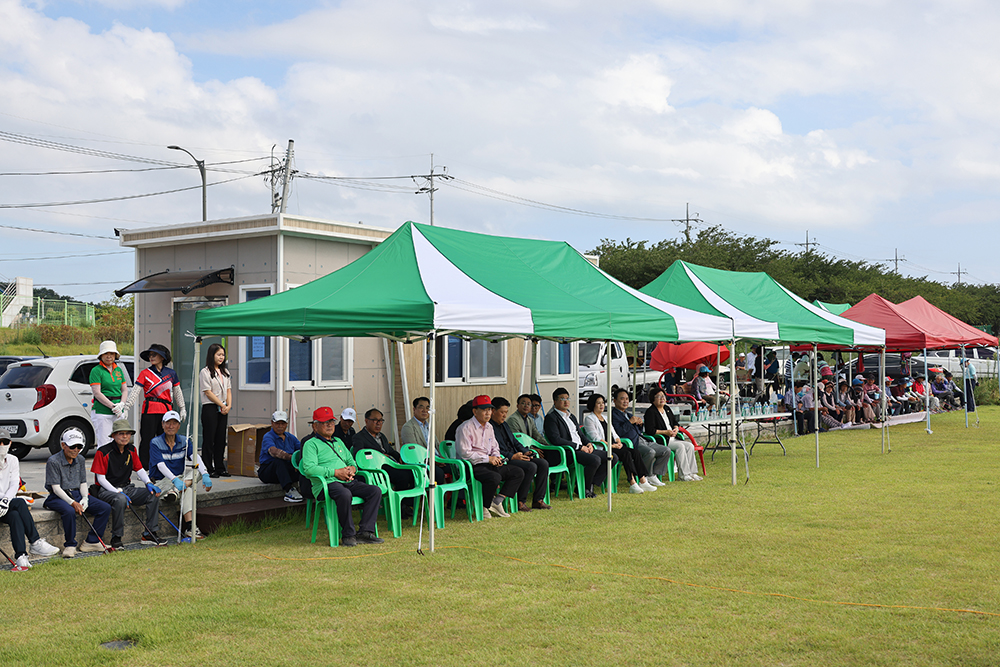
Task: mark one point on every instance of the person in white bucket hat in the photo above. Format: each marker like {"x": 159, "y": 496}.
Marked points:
{"x": 107, "y": 380}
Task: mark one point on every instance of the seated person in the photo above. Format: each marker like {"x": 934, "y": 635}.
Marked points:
{"x": 561, "y": 428}
{"x": 168, "y": 454}
{"x": 276, "y": 450}
{"x": 521, "y": 421}
{"x": 475, "y": 442}
{"x": 655, "y": 457}
{"x": 705, "y": 390}
{"x": 326, "y": 457}
{"x": 15, "y": 513}
{"x": 345, "y": 429}
{"x": 113, "y": 465}
{"x": 464, "y": 415}
{"x": 66, "y": 482}
{"x": 846, "y": 403}
{"x": 535, "y": 467}
{"x": 598, "y": 430}
{"x": 926, "y": 397}
{"x": 940, "y": 390}
{"x": 371, "y": 437}
{"x": 416, "y": 430}
{"x": 536, "y": 413}
{"x": 828, "y": 411}
{"x": 804, "y": 403}
{"x": 959, "y": 396}
{"x": 863, "y": 412}
{"x": 660, "y": 420}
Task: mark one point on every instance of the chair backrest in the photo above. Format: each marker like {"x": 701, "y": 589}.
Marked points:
{"x": 369, "y": 459}
{"x": 447, "y": 449}
{"x": 525, "y": 439}
{"x": 297, "y": 459}
{"x": 627, "y": 443}
{"x": 413, "y": 453}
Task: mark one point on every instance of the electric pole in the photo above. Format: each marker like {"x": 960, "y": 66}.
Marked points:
{"x": 959, "y": 272}
{"x": 429, "y": 188}
{"x": 808, "y": 243}
{"x": 895, "y": 260}
{"x": 286, "y": 176}
{"x": 687, "y": 220}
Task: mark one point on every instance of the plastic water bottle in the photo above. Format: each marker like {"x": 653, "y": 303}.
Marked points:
{"x": 713, "y": 414}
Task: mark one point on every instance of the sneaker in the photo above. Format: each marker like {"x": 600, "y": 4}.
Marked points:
{"x": 368, "y": 537}
{"x": 42, "y": 548}
{"x": 654, "y": 480}
{"x": 697, "y": 477}
{"x": 169, "y": 497}
{"x": 486, "y": 513}
{"x": 117, "y": 544}
{"x": 69, "y": 552}
{"x": 646, "y": 486}
{"x": 22, "y": 563}
{"x": 636, "y": 488}
{"x": 197, "y": 533}
{"x": 153, "y": 539}
{"x": 90, "y": 547}
{"x": 349, "y": 541}
{"x": 497, "y": 509}
{"x": 293, "y": 496}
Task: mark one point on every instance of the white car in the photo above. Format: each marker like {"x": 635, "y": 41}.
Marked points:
{"x": 41, "y": 398}
{"x": 983, "y": 358}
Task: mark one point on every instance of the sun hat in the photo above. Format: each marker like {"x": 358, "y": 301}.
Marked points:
{"x": 323, "y": 414}
{"x": 349, "y": 414}
{"x": 121, "y": 425}
{"x": 170, "y": 414}
{"x": 158, "y": 349}
{"x": 482, "y": 401}
{"x": 279, "y": 416}
{"x": 108, "y": 346}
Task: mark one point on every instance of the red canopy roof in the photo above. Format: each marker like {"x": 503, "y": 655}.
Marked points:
{"x": 686, "y": 355}
{"x": 958, "y": 332}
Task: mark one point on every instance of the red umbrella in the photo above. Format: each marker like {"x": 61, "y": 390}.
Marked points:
{"x": 686, "y": 355}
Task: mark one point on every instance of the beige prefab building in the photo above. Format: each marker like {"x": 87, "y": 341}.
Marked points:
{"x": 249, "y": 258}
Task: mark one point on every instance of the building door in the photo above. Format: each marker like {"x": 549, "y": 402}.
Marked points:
{"x": 182, "y": 349}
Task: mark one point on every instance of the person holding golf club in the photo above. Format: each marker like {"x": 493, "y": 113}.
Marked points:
{"x": 171, "y": 466}
{"x": 15, "y": 513}
{"x": 66, "y": 482}
{"x": 113, "y": 466}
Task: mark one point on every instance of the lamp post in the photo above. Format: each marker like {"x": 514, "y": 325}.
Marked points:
{"x": 204, "y": 183}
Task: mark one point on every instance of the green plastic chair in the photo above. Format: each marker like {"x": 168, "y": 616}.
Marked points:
{"x": 670, "y": 459}
{"x": 662, "y": 439}
{"x": 615, "y": 469}
{"x": 417, "y": 455}
{"x": 473, "y": 490}
{"x": 369, "y": 459}
{"x": 332, "y": 519}
{"x": 562, "y": 468}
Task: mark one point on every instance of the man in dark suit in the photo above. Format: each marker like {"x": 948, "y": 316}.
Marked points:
{"x": 371, "y": 437}
{"x": 561, "y": 428}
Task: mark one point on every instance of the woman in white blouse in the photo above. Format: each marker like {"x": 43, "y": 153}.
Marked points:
{"x": 597, "y": 428}
{"x": 216, "y": 402}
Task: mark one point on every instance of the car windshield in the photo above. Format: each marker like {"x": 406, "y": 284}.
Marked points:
{"x": 20, "y": 377}
{"x": 588, "y": 353}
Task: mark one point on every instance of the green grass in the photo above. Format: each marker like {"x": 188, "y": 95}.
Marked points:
{"x": 914, "y": 528}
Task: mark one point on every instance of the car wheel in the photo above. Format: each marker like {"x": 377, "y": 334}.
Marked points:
{"x": 55, "y": 439}
{"x": 20, "y": 450}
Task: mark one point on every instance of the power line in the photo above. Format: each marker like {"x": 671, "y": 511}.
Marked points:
{"x": 89, "y": 254}
{"x": 80, "y": 150}
{"x": 687, "y": 220}
{"x": 50, "y": 231}
{"x": 89, "y": 282}
{"x": 122, "y": 198}
{"x": 88, "y": 171}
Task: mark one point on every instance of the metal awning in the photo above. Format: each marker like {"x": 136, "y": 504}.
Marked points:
{"x": 178, "y": 281}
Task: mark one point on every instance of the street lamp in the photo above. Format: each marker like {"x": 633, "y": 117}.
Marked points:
{"x": 204, "y": 183}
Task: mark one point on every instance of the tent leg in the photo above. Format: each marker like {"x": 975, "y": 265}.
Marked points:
{"x": 734, "y": 436}
{"x": 607, "y": 404}
{"x": 432, "y": 445}
{"x": 927, "y": 395}
{"x": 196, "y": 458}
{"x": 882, "y": 393}
{"x": 966, "y": 401}
{"x": 815, "y": 382}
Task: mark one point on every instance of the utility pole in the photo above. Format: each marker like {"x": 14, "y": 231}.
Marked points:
{"x": 687, "y": 220}
{"x": 808, "y": 243}
{"x": 429, "y": 188}
{"x": 286, "y": 176}
{"x": 959, "y": 272}
{"x": 895, "y": 260}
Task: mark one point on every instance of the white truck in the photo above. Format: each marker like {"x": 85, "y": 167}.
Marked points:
{"x": 594, "y": 365}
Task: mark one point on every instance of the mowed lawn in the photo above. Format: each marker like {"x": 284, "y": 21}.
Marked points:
{"x": 694, "y": 574}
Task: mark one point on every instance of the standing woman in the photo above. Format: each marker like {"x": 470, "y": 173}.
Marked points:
{"x": 216, "y": 402}
{"x": 162, "y": 393}
{"x": 107, "y": 381}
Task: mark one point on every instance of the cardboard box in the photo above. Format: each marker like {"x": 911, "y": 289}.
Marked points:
{"x": 244, "y": 441}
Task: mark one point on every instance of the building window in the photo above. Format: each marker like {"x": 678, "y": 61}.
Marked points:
{"x": 468, "y": 361}
{"x": 320, "y": 363}
{"x": 555, "y": 360}
{"x": 256, "y": 352}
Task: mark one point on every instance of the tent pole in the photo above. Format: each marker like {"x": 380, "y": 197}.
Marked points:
{"x": 524, "y": 367}
{"x": 195, "y": 409}
{"x": 718, "y": 373}
{"x": 534, "y": 368}
{"x": 882, "y": 392}
{"x": 734, "y": 437}
{"x": 927, "y": 394}
{"x": 815, "y": 382}
{"x": 432, "y": 444}
{"x": 607, "y": 416}
{"x": 966, "y": 401}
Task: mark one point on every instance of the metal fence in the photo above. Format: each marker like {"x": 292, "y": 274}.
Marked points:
{"x": 56, "y": 311}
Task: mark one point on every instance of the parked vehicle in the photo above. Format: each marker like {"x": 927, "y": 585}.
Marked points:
{"x": 893, "y": 365}
{"x": 7, "y": 360}
{"x": 41, "y": 398}
{"x": 983, "y": 358}
{"x": 594, "y": 366}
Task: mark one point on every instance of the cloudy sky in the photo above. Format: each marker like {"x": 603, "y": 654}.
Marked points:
{"x": 872, "y": 124}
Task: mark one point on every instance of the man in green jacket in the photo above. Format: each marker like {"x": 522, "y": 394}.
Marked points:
{"x": 326, "y": 457}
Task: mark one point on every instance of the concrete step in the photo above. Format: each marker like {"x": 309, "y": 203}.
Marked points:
{"x": 211, "y": 519}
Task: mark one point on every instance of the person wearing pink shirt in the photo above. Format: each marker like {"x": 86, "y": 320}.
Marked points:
{"x": 475, "y": 442}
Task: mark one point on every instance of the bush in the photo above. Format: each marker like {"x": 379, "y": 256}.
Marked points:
{"x": 988, "y": 392}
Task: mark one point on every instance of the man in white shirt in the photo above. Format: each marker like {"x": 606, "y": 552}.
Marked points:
{"x": 476, "y": 442}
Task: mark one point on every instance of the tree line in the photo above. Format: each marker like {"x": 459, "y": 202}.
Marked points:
{"x": 811, "y": 275}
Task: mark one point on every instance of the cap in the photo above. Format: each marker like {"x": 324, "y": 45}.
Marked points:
{"x": 170, "y": 414}
{"x": 743, "y": 354}
{"x": 704, "y": 369}
{"x": 323, "y": 414}
{"x": 349, "y": 414}
{"x": 158, "y": 349}
{"x": 73, "y": 437}
{"x": 857, "y": 382}
{"x": 121, "y": 425}
{"x": 482, "y": 402}
{"x": 279, "y": 416}
{"x": 4, "y": 438}
{"x": 108, "y": 346}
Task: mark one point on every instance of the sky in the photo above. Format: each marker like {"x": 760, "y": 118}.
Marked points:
{"x": 870, "y": 125}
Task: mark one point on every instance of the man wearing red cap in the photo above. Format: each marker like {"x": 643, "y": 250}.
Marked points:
{"x": 476, "y": 442}
{"x": 326, "y": 458}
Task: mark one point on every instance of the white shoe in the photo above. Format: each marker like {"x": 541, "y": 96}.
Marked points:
{"x": 636, "y": 488}
{"x": 696, "y": 477}
{"x": 293, "y": 496}
{"x": 42, "y": 548}
{"x": 646, "y": 486}
{"x": 90, "y": 547}
{"x": 654, "y": 480}
{"x": 69, "y": 552}
{"x": 22, "y": 563}
{"x": 497, "y": 509}
{"x": 486, "y": 513}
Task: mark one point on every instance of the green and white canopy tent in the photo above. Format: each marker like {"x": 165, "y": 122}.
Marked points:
{"x": 426, "y": 281}
{"x": 762, "y": 310}
{"x": 835, "y": 308}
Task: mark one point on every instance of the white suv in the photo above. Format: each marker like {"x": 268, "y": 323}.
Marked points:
{"x": 41, "y": 398}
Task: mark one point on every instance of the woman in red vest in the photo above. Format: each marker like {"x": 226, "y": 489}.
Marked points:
{"x": 162, "y": 393}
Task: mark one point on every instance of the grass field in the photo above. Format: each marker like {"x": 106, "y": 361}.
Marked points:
{"x": 694, "y": 574}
